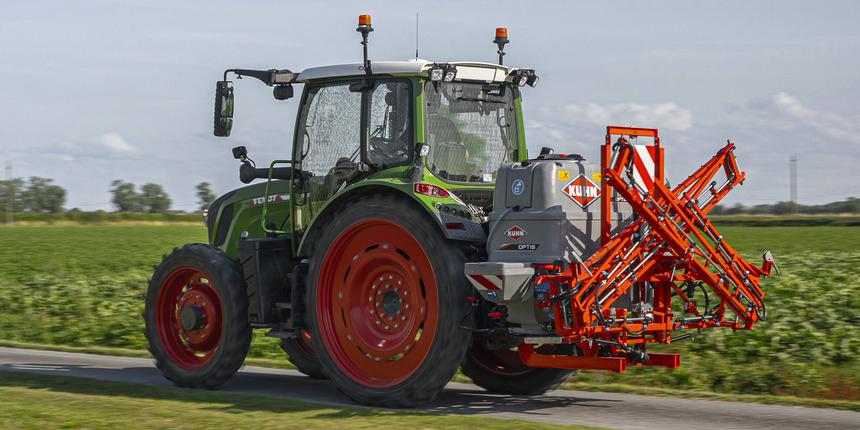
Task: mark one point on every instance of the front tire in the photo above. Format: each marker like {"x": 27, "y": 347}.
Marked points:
{"x": 387, "y": 294}
{"x": 196, "y": 317}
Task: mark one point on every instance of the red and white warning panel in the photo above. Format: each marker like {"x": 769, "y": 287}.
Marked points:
{"x": 500, "y": 281}
{"x": 582, "y": 190}
{"x": 644, "y": 170}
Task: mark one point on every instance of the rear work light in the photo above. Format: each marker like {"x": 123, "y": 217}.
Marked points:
{"x": 431, "y": 190}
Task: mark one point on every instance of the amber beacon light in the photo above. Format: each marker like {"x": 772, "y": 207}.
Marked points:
{"x": 364, "y": 28}
{"x": 501, "y": 40}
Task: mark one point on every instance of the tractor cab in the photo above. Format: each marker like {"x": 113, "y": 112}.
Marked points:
{"x": 434, "y": 132}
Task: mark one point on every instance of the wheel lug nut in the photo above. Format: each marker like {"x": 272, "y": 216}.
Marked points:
{"x": 387, "y": 287}
{"x": 390, "y": 277}
{"x": 378, "y": 322}
{"x": 372, "y": 311}
{"x": 396, "y": 290}
{"x": 403, "y": 318}
{"x": 406, "y": 293}
{"x": 406, "y": 306}
{"x": 387, "y": 327}
{"x": 378, "y": 304}
{"x": 340, "y": 295}
{"x": 396, "y": 325}
{"x": 382, "y": 315}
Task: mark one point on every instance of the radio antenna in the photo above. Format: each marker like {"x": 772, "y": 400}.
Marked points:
{"x": 416, "y": 36}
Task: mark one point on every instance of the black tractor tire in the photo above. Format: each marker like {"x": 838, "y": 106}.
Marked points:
{"x": 197, "y": 291}
{"x": 300, "y": 352}
{"x": 502, "y": 371}
{"x": 387, "y": 293}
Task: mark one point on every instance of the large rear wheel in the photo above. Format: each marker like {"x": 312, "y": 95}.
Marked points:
{"x": 502, "y": 371}
{"x": 196, "y": 316}
{"x": 387, "y": 293}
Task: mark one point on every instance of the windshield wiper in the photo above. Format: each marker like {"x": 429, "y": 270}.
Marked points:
{"x": 475, "y": 99}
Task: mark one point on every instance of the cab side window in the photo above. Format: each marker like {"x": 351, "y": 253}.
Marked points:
{"x": 390, "y": 125}
{"x": 331, "y": 131}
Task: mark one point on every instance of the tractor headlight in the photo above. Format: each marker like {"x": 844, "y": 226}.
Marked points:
{"x": 205, "y": 216}
{"x": 437, "y": 74}
{"x": 532, "y": 80}
{"x": 450, "y": 72}
{"x": 521, "y": 80}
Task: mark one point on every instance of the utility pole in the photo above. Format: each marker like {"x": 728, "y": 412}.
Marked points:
{"x": 10, "y": 193}
{"x": 793, "y": 182}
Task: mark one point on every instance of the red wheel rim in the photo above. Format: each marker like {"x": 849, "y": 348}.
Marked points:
{"x": 188, "y": 318}
{"x": 377, "y": 303}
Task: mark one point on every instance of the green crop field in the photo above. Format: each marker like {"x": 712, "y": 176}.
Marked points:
{"x": 84, "y": 285}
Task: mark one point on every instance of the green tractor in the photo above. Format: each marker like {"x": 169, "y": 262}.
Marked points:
{"x": 411, "y": 235}
{"x": 352, "y": 252}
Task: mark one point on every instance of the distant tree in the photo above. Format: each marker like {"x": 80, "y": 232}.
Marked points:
{"x": 153, "y": 199}
{"x": 41, "y": 195}
{"x": 204, "y": 195}
{"x": 737, "y": 209}
{"x": 124, "y": 197}
{"x": 783, "y": 208}
{"x": 55, "y": 198}
{"x": 13, "y": 189}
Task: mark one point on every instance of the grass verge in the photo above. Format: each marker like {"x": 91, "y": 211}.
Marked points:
{"x": 48, "y": 401}
{"x": 459, "y": 377}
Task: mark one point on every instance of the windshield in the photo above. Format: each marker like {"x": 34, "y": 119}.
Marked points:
{"x": 471, "y": 130}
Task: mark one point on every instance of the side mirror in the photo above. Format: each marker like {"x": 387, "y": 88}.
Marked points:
{"x": 223, "y": 108}
{"x": 283, "y": 92}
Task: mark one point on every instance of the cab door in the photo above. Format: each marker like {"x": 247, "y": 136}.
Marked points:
{"x": 344, "y": 131}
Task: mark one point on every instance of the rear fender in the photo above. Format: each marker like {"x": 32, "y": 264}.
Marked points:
{"x": 423, "y": 204}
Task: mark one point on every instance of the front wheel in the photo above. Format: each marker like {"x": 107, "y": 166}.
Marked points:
{"x": 196, "y": 316}
{"x": 387, "y": 292}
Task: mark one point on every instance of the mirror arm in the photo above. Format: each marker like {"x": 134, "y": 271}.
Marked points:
{"x": 269, "y": 77}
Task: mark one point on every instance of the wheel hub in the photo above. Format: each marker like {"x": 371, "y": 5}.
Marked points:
{"x": 391, "y": 303}
{"x": 191, "y": 318}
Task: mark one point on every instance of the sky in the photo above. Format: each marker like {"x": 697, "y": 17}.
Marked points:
{"x": 109, "y": 89}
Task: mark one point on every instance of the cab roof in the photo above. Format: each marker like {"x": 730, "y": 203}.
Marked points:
{"x": 466, "y": 70}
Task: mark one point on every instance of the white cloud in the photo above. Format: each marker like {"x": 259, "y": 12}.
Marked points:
{"x": 827, "y": 123}
{"x": 116, "y": 143}
{"x": 665, "y": 115}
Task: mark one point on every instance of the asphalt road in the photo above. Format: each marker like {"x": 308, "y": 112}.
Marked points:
{"x": 613, "y": 410}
